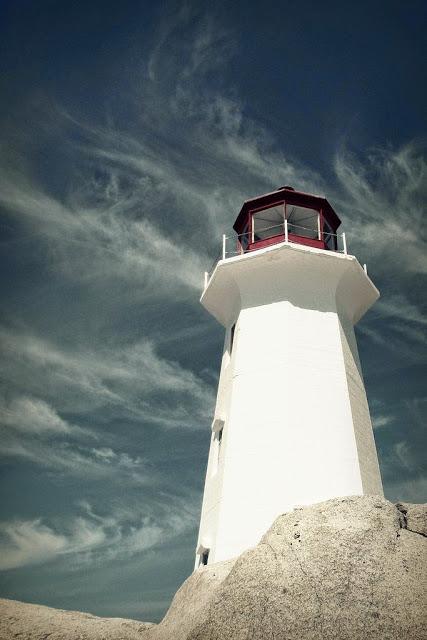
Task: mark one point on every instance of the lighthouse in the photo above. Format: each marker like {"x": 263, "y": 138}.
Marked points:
{"x": 291, "y": 425}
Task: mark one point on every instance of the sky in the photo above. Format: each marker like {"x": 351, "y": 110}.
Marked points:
{"x": 131, "y": 133}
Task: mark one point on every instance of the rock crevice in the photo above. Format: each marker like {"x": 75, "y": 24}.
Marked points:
{"x": 413, "y": 518}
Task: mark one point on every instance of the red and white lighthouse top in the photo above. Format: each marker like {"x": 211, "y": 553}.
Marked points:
{"x": 303, "y": 217}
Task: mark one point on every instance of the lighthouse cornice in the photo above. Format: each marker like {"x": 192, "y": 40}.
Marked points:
{"x": 303, "y": 275}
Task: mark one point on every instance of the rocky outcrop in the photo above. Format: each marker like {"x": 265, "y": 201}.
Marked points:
{"x": 191, "y": 602}
{"x": 347, "y": 569}
{"x": 22, "y": 621}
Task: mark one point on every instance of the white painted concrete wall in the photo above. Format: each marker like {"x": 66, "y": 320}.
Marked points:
{"x": 367, "y": 453}
{"x": 296, "y": 421}
{"x": 215, "y": 469}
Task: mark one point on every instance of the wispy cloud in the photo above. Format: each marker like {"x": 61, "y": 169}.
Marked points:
{"x": 383, "y": 198}
{"x": 33, "y": 431}
{"x": 402, "y": 463}
{"x": 33, "y": 416}
{"x": 90, "y": 463}
{"x": 379, "y": 421}
{"x": 26, "y": 542}
{"x": 117, "y": 383}
{"x": 94, "y": 237}
{"x": 126, "y": 376}
{"x": 90, "y": 538}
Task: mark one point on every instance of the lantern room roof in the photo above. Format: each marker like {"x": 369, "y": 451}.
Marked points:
{"x": 291, "y": 196}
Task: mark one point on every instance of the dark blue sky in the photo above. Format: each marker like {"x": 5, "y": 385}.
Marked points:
{"x": 131, "y": 133}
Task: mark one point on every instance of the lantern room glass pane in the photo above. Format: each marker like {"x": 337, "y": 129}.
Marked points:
{"x": 268, "y": 222}
{"x": 302, "y": 221}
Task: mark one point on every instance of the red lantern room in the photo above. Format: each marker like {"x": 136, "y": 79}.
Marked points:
{"x": 287, "y": 215}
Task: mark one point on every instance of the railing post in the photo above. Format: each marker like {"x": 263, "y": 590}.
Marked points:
{"x": 206, "y": 279}
{"x": 319, "y": 233}
{"x": 344, "y": 243}
{"x": 286, "y": 230}
{"x": 252, "y": 231}
{"x": 224, "y": 241}
{"x": 365, "y": 269}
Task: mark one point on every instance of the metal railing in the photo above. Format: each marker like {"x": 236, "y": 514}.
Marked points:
{"x": 242, "y": 242}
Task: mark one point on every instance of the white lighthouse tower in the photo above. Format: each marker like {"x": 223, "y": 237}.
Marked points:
{"x": 291, "y": 424}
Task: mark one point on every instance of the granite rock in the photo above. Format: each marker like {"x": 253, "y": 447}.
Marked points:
{"x": 22, "y": 621}
{"x": 191, "y": 602}
{"x": 345, "y": 569}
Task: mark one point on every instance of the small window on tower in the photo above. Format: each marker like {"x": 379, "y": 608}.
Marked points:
{"x": 219, "y": 438}
{"x": 204, "y": 557}
{"x": 232, "y": 338}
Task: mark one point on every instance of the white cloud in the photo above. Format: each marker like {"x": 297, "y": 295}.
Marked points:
{"x": 77, "y": 460}
{"x": 33, "y": 431}
{"x": 128, "y": 377}
{"x": 140, "y": 538}
{"x": 399, "y": 308}
{"x": 381, "y": 421}
{"x": 90, "y": 538}
{"x": 98, "y": 240}
{"x": 402, "y": 465}
{"x": 403, "y": 454}
{"x": 27, "y": 542}
{"x": 131, "y": 383}
{"x": 32, "y": 415}
{"x": 382, "y": 197}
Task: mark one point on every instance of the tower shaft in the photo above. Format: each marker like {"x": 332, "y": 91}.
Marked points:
{"x": 291, "y": 424}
